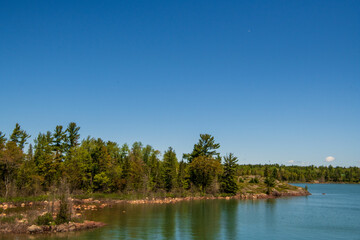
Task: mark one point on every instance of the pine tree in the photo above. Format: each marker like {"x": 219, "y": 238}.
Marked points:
{"x": 205, "y": 147}
{"x": 170, "y": 164}
{"x": 73, "y": 135}
{"x": 229, "y": 184}
{"x": 19, "y": 136}
{"x": 59, "y": 141}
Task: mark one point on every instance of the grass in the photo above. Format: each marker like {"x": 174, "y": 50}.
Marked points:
{"x": 10, "y": 219}
{"x": 25, "y": 199}
{"x": 247, "y": 185}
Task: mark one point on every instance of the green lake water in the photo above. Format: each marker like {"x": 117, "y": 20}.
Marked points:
{"x": 335, "y": 215}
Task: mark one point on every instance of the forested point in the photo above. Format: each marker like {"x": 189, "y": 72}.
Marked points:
{"x": 94, "y": 165}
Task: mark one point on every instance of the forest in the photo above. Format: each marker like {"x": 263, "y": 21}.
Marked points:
{"x": 93, "y": 165}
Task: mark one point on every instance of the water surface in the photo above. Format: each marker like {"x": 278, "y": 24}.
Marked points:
{"x": 335, "y": 215}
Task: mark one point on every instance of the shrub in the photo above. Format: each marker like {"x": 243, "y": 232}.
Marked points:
{"x": 254, "y": 180}
{"x": 64, "y": 215}
{"x": 270, "y": 182}
{"x": 45, "y": 219}
{"x": 10, "y": 219}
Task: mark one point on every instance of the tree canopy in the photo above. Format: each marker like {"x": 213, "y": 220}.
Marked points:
{"x": 94, "y": 165}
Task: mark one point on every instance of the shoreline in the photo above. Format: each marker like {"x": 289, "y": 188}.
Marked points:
{"x": 80, "y": 206}
{"x": 345, "y": 183}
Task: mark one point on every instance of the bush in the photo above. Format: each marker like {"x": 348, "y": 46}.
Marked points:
{"x": 10, "y": 219}
{"x": 45, "y": 219}
{"x": 64, "y": 214}
{"x": 270, "y": 182}
{"x": 254, "y": 180}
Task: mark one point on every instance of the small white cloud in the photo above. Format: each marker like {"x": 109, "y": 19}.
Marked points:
{"x": 291, "y": 161}
{"x": 329, "y": 159}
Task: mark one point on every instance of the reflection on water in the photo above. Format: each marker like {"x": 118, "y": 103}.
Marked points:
{"x": 334, "y": 215}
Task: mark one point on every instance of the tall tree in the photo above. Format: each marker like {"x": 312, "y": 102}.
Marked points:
{"x": 10, "y": 160}
{"x": 170, "y": 165}
{"x": 205, "y": 147}
{"x": 78, "y": 167}
{"x": 44, "y": 159}
{"x": 125, "y": 166}
{"x": 19, "y": 136}
{"x": 229, "y": 184}
{"x": 73, "y": 134}
{"x": 59, "y": 141}
{"x": 137, "y": 167}
{"x": 203, "y": 171}
{"x": 2, "y": 140}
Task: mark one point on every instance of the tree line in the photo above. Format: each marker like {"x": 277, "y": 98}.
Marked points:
{"x": 95, "y": 165}
{"x": 321, "y": 174}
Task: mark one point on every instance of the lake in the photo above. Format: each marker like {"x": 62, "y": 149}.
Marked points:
{"x": 335, "y": 215}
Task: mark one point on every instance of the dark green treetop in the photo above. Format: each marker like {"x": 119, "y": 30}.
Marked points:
{"x": 19, "y": 136}
{"x": 229, "y": 184}
{"x": 2, "y": 139}
{"x": 59, "y": 140}
{"x": 170, "y": 165}
{"x": 73, "y": 134}
{"x": 205, "y": 147}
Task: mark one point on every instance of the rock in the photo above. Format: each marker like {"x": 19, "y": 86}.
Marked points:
{"x": 34, "y": 229}
{"x": 62, "y": 227}
{"x": 72, "y": 226}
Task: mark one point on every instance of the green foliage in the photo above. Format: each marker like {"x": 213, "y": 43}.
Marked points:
{"x": 44, "y": 159}
{"x": 19, "y": 136}
{"x": 203, "y": 170}
{"x": 11, "y": 157}
{"x": 8, "y": 219}
{"x": 78, "y": 165}
{"x": 101, "y": 182}
{"x": 95, "y": 165}
{"x": 270, "y": 182}
{"x": 254, "y": 180}
{"x": 2, "y": 140}
{"x": 64, "y": 215}
{"x": 205, "y": 147}
{"x": 59, "y": 142}
{"x": 229, "y": 184}
{"x": 183, "y": 176}
{"x": 170, "y": 164}
{"x": 73, "y": 135}
{"x": 45, "y": 219}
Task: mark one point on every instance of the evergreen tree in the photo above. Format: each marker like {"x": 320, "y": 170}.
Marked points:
{"x": 205, "y": 147}
{"x": 59, "y": 141}
{"x": 170, "y": 164}
{"x": 11, "y": 158}
{"x": 73, "y": 135}
{"x": 2, "y": 140}
{"x": 203, "y": 171}
{"x": 125, "y": 166}
{"x": 15, "y": 136}
{"x": 19, "y": 136}
{"x": 229, "y": 184}
{"x": 44, "y": 159}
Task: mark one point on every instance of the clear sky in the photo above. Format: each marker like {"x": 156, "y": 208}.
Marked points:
{"x": 273, "y": 81}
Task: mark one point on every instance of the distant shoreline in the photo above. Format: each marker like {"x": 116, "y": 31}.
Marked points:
{"x": 325, "y": 183}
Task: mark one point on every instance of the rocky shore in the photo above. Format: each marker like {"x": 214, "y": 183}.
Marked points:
{"x": 243, "y": 196}
{"x": 23, "y": 220}
{"x": 34, "y": 229}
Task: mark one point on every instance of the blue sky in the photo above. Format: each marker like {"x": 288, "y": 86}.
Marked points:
{"x": 273, "y": 81}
